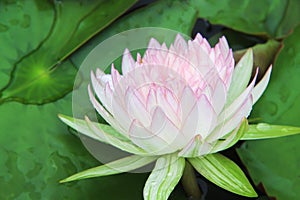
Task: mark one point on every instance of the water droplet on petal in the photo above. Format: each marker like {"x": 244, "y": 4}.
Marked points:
{"x": 170, "y": 174}
{"x": 263, "y": 127}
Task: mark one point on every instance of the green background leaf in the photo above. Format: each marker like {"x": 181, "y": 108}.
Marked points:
{"x": 37, "y": 151}
{"x": 40, "y": 72}
{"x": 38, "y": 64}
{"x": 269, "y": 18}
{"x": 275, "y": 162}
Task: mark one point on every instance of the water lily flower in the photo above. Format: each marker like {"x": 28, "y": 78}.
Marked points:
{"x": 175, "y": 105}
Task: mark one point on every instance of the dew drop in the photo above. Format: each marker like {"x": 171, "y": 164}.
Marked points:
{"x": 263, "y": 127}
{"x": 170, "y": 174}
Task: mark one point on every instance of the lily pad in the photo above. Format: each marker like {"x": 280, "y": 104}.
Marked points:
{"x": 37, "y": 40}
{"x": 275, "y": 162}
{"x": 37, "y": 151}
{"x": 268, "y": 18}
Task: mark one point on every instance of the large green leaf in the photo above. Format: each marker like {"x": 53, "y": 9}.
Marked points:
{"x": 37, "y": 151}
{"x": 270, "y": 18}
{"x": 37, "y": 40}
{"x": 275, "y": 162}
{"x": 162, "y": 14}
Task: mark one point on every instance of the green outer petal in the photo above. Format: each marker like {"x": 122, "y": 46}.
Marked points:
{"x": 233, "y": 137}
{"x": 116, "y": 167}
{"x": 164, "y": 177}
{"x": 259, "y": 89}
{"x": 103, "y": 133}
{"x": 241, "y": 76}
{"x": 264, "y": 131}
{"x": 224, "y": 173}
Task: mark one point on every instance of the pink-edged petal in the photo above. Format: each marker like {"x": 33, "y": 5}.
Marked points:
{"x": 168, "y": 102}
{"x": 200, "y": 120}
{"x": 139, "y": 59}
{"x": 218, "y": 96}
{"x": 207, "y": 118}
{"x": 148, "y": 141}
{"x": 259, "y": 89}
{"x": 120, "y": 113}
{"x": 195, "y": 148}
{"x": 224, "y": 60}
{"x": 103, "y": 112}
{"x": 136, "y": 108}
{"x": 115, "y": 75}
{"x": 103, "y": 92}
{"x": 162, "y": 126}
{"x": 222, "y": 47}
{"x": 187, "y": 102}
{"x": 154, "y": 44}
{"x": 180, "y": 44}
{"x": 203, "y": 42}
{"x": 199, "y": 58}
{"x": 128, "y": 63}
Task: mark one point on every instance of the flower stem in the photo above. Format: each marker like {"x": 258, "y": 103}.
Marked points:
{"x": 189, "y": 183}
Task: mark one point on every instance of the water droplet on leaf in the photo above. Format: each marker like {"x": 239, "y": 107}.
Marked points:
{"x": 263, "y": 127}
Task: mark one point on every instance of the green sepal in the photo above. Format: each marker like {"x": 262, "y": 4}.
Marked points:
{"x": 224, "y": 173}
{"x": 164, "y": 177}
{"x": 116, "y": 167}
{"x": 264, "y": 131}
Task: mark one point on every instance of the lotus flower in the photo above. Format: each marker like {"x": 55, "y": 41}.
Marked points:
{"x": 177, "y": 104}
{"x": 184, "y": 99}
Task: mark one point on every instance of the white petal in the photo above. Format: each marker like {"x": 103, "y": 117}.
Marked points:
{"x": 261, "y": 86}
{"x": 163, "y": 127}
{"x": 187, "y": 102}
{"x": 106, "y": 115}
{"x": 101, "y": 93}
{"x": 145, "y": 139}
{"x": 128, "y": 62}
{"x": 218, "y": 97}
{"x": 180, "y": 44}
{"x": 115, "y": 76}
{"x": 207, "y": 117}
{"x": 136, "y": 108}
{"x": 168, "y": 102}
